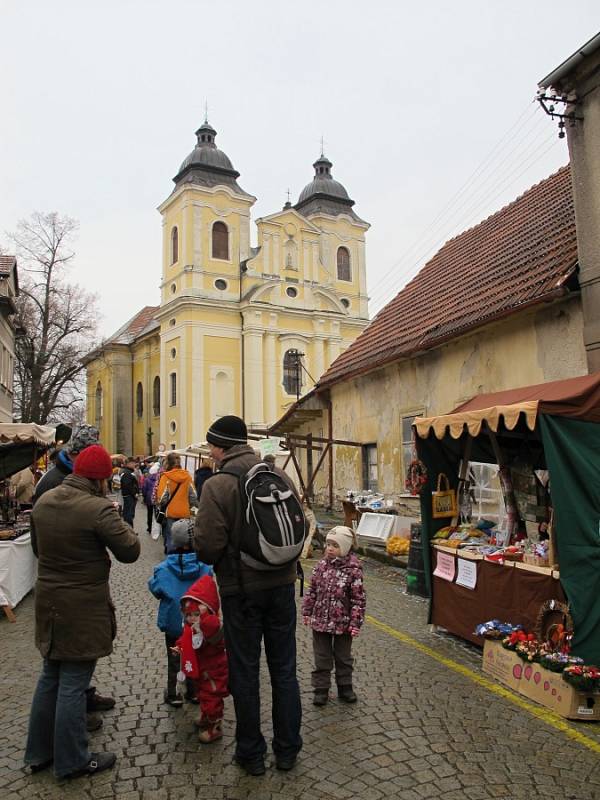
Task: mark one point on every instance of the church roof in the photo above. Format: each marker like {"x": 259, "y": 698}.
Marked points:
{"x": 521, "y": 255}
{"x": 206, "y": 165}
{"x": 143, "y": 322}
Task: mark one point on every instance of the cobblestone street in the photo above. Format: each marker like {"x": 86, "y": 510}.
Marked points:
{"x": 422, "y": 727}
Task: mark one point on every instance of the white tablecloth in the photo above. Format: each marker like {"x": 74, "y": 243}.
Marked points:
{"x": 18, "y": 570}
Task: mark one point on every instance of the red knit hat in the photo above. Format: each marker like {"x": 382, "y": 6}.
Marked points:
{"x": 94, "y": 463}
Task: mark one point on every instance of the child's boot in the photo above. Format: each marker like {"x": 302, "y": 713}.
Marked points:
{"x": 320, "y": 697}
{"x": 210, "y": 731}
{"x": 346, "y": 693}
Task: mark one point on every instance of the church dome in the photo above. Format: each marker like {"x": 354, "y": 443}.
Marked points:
{"x": 206, "y": 165}
{"x": 325, "y": 188}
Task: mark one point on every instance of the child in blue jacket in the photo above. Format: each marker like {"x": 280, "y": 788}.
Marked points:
{"x": 171, "y": 579}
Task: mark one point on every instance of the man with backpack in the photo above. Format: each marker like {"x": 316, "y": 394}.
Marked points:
{"x": 250, "y": 526}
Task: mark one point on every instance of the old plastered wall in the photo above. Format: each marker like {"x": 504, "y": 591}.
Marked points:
{"x": 543, "y": 345}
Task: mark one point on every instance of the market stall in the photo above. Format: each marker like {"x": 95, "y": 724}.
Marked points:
{"x": 21, "y": 445}
{"x": 551, "y": 430}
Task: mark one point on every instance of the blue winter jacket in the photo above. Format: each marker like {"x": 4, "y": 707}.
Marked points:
{"x": 171, "y": 579}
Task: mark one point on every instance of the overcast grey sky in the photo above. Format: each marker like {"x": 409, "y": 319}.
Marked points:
{"x": 100, "y": 103}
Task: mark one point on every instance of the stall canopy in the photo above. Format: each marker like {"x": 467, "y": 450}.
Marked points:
{"x": 21, "y": 443}
{"x": 552, "y": 426}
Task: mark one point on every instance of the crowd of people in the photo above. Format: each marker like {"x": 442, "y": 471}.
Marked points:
{"x": 220, "y": 599}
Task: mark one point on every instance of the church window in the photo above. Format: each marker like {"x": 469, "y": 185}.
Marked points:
{"x": 173, "y": 288}
{"x": 343, "y": 264}
{"x": 220, "y": 284}
{"x": 156, "y": 396}
{"x": 173, "y": 389}
{"x": 220, "y": 241}
{"x": 139, "y": 400}
{"x": 172, "y": 322}
{"x": 345, "y": 302}
{"x": 173, "y": 352}
{"x": 98, "y": 403}
{"x": 174, "y": 245}
{"x": 173, "y": 426}
{"x": 292, "y": 372}
{"x": 291, "y": 291}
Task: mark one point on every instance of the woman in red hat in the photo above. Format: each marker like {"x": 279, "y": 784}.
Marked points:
{"x": 73, "y": 525}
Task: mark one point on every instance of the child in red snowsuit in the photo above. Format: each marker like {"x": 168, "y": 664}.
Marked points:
{"x": 203, "y": 656}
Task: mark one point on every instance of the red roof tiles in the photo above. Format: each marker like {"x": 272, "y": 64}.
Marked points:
{"x": 519, "y": 256}
{"x": 7, "y": 263}
{"x": 135, "y": 326}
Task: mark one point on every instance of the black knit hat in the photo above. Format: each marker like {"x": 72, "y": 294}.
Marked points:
{"x": 227, "y": 431}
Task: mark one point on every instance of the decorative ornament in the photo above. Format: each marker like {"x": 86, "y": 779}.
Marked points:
{"x": 416, "y": 476}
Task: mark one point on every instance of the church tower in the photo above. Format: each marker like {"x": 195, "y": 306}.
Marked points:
{"x": 206, "y": 232}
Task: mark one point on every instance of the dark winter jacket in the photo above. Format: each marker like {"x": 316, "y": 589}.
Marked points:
{"x": 129, "y": 484}
{"x": 55, "y": 476}
{"x": 200, "y": 476}
{"x": 217, "y": 523}
{"x": 148, "y": 487}
{"x": 335, "y": 602}
{"x": 171, "y": 579}
{"x": 73, "y": 528}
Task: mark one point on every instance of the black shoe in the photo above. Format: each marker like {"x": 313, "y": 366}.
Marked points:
{"x": 93, "y": 723}
{"x": 320, "y": 697}
{"x": 175, "y": 700}
{"x": 95, "y": 702}
{"x": 98, "y": 763}
{"x": 346, "y": 694}
{"x": 285, "y": 764}
{"x": 39, "y": 767}
{"x": 251, "y": 767}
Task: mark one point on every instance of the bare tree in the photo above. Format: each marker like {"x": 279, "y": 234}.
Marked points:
{"x": 57, "y": 321}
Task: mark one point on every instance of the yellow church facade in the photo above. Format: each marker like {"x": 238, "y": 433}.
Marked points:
{"x": 239, "y": 329}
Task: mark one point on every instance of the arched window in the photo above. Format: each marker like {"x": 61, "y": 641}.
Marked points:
{"x": 174, "y": 245}
{"x": 292, "y": 372}
{"x": 220, "y": 241}
{"x": 139, "y": 400}
{"x": 98, "y": 404}
{"x": 343, "y": 264}
{"x": 156, "y": 396}
{"x": 173, "y": 389}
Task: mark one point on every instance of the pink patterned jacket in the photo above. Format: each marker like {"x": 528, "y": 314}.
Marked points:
{"x": 336, "y": 601}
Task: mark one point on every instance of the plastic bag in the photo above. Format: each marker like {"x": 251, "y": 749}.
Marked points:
{"x": 156, "y": 530}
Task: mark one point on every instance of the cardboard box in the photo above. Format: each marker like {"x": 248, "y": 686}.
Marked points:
{"x": 550, "y": 690}
{"x": 504, "y": 665}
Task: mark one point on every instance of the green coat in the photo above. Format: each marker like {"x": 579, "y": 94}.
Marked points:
{"x": 73, "y": 527}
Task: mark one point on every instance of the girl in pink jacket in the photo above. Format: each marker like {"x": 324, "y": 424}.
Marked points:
{"x": 334, "y": 607}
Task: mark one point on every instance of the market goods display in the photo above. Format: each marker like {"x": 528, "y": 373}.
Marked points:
{"x": 397, "y": 546}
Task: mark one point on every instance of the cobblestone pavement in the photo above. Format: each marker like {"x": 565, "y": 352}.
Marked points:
{"x": 419, "y": 729}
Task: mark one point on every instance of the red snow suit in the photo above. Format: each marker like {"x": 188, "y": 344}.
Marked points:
{"x": 207, "y": 664}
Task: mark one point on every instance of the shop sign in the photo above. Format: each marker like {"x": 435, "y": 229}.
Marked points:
{"x": 445, "y": 567}
{"x": 467, "y": 573}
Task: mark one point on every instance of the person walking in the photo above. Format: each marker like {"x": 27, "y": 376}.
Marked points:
{"x": 202, "y": 474}
{"x": 257, "y": 605}
{"x": 72, "y": 527}
{"x": 148, "y": 492}
{"x": 334, "y": 607}
{"x": 129, "y": 491}
{"x": 176, "y": 495}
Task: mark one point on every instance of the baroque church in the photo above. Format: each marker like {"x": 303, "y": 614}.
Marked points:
{"x": 239, "y": 330}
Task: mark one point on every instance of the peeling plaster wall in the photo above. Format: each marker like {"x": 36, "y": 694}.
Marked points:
{"x": 542, "y": 345}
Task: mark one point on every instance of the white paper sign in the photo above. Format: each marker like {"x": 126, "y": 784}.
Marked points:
{"x": 467, "y": 573}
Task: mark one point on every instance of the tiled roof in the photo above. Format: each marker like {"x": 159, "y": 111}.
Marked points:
{"x": 142, "y": 322}
{"x": 7, "y": 263}
{"x": 519, "y": 256}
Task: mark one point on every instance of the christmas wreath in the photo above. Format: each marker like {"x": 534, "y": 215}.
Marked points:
{"x": 559, "y": 634}
{"x": 583, "y": 678}
{"x": 416, "y": 476}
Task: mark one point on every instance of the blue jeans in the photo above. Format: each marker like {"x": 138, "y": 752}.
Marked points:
{"x": 57, "y": 723}
{"x": 269, "y": 614}
{"x": 129, "y": 508}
